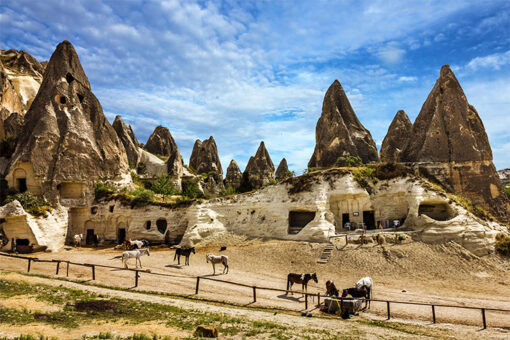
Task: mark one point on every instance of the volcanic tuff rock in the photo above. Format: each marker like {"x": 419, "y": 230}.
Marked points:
{"x": 13, "y": 125}
{"x": 20, "y": 78}
{"x": 66, "y": 136}
{"x": 339, "y": 132}
{"x": 234, "y": 176}
{"x": 504, "y": 175}
{"x": 204, "y": 157}
{"x": 128, "y": 139}
{"x": 396, "y": 138}
{"x": 282, "y": 170}
{"x": 260, "y": 169}
{"x": 449, "y": 140}
{"x": 161, "y": 142}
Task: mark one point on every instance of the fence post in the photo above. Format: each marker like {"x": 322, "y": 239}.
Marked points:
{"x": 254, "y": 294}
{"x": 318, "y": 299}
{"x": 483, "y": 319}
{"x": 346, "y": 240}
{"x": 29, "y": 263}
{"x": 306, "y": 301}
{"x": 67, "y": 270}
{"x": 136, "y": 278}
{"x": 433, "y": 314}
{"x": 93, "y": 273}
{"x": 388, "y": 308}
{"x": 198, "y": 283}
{"x": 58, "y": 267}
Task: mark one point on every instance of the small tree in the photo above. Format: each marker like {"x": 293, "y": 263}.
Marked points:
{"x": 163, "y": 186}
{"x": 349, "y": 161}
{"x": 190, "y": 189}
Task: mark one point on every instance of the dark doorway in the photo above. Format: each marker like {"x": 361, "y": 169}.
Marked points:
{"x": 121, "y": 235}
{"x": 345, "y": 218}
{"x": 161, "y": 224}
{"x": 298, "y": 220}
{"x": 90, "y": 237}
{"x": 22, "y": 184}
{"x": 369, "y": 219}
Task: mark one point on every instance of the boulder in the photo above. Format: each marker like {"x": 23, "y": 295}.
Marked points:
{"x": 204, "y": 158}
{"x": 260, "y": 169}
{"x": 449, "y": 142}
{"x": 234, "y": 176}
{"x": 282, "y": 170}
{"x": 340, "y": 133}
{"x": 396, "y": 138}
{"x": 66, "y": 137}
{"x": 161, "y": 142}
{"x": 128, "y": 139}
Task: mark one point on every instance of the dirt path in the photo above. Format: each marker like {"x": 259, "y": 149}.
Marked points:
{"x": 358, "y": 326}
{"x": 443, "y": 274}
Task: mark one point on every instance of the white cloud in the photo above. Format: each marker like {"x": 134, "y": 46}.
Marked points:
{"x": 391, "y": 54}
{"x": 405, "y": 79}
{"x": 494, "y": 61}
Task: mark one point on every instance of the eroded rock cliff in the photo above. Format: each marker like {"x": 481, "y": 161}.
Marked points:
{"x": 396, "y": 138}
{"x": 260, "y": 169}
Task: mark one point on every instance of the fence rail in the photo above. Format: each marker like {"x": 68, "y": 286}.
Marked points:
{"x": 254, "y": 288}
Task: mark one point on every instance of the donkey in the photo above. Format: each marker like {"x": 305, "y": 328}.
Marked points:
{"x": 300, "y": 278}
{"x": 223, "y": 259}
{"x": 183, "y": 252}
{"x": 132, "y": 253}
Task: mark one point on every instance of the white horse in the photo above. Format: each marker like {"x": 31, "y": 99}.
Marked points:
{"x": 133, "y": 253}
{"x": 368, "y": 283}
{"x": 77, "y": 240}
{"x": 223, "y": 259}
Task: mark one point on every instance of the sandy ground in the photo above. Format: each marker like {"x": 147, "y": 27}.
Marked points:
{"x": 439, "y": 274}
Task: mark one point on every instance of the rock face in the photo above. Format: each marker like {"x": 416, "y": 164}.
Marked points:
{"x": 20, "y": 78}
{"x": 339, "y": 132}
{"x": 396, "y": 138}
{"x": 66, "y": 137}
{"x": 161, "y": 142}
{"x": 504, "y": 175}
{"x": 234, "y": 176}
{"x": 128, "y": 139}
{"x": 449, "y": 141}
{"x": 260, "y": 169}
{"x": 204, "y": 157}
{"x": 282, "y": 170}
{"x": 13, "y": 125}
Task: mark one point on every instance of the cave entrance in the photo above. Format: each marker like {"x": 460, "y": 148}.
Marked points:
{"x": 345, "y": 219}
{"x": 298, "y": 220}
{"x": 90, "y": 237}
{"x": 439, "y": 211}
{"x": 121, "y": 235}
{"x": 369, "y": 219}
{"x": 22, "y": 184}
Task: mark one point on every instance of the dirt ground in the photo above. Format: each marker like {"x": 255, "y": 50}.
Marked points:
{"x": 440, "y": 274}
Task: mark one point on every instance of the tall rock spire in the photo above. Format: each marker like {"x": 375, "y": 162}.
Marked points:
{"x": 282, "y": 170}
{"x": 204, "y": 157}
{"x": 161, "y": 142}
{"x": 396, "y": 138}
{"x": 449, "y": 142}
{"x": 339, "y": 132}
{"x": 260, "y": 169}
{"x": 66, "y": 137}
{"x": 234, "y": 176}
{"x": 128, "y": 139}
{"x": 447, "y": 129}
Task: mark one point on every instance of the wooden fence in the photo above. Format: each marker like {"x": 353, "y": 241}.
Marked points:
{"x": 254, "y": 288}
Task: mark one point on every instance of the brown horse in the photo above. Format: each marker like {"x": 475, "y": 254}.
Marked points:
{"x": 361, "y": 292}
{"x": 331, "y": 289}
{"x": 300, "y": 278}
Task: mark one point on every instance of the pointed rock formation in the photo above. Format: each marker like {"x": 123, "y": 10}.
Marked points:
{"x": 449, "y": 141}
{"x": 161, "y": 142}
{"x": 260, "y": 169}
{"x": 234, "y": 176}
{"x": 204, "y": 157}
{"x": 339, "y": 132}
{"x": 22, "y": 63}
{"x": 282, "y": 170}
{"x": 128, "y": 139}
{"x": 396, "y": 138}
{"x": 67, "y": 142}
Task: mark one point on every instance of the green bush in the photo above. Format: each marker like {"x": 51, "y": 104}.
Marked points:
{"x": 290, "y": 174}
{"x": 507, "y": 191}
{"x": 190, "y": 189}
{"x": 141, "y": 168}
{"x": 102, "y": 190}
{"x": 33, "y": 204}
{"x": 228, "y": 191}
{"x": 142, "y": 197}
{"x": 349, "y": 161}
{"x": 163, "y": 186}
{"x": 365, "y": 178}
{"x": 503, "y": 244}
{"x": 390, "y": 170}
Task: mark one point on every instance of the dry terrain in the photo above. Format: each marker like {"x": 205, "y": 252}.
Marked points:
{"x": 439, "y": 274}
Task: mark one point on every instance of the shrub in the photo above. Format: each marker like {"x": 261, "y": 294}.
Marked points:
{"x": 507, "y": 191}
{"x": 33, "y": 204}
{"x": 190, "y": 189}
{"x": 503, "y": 244}
{"x": 365, "y": 178}
{"x": 163, "y": 186}
{"x": 272, "y": 182}
{"x": 349, "y": 161}
{"x": 390, "y": 170}
{"x": 141, "y": 168}
{"x": 228, "y": 191}
{"x": 290, "y": 174}
{"x": 102, "y": 190}
{"x": 142, "y": 196}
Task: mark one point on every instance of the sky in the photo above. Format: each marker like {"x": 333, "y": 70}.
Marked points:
{"x": 247, "y": 71}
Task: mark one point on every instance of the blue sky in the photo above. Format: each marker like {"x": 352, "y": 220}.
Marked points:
{"x": 246, "y": 71}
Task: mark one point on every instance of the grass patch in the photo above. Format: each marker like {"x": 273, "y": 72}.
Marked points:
{"x": 33, "y": 204}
